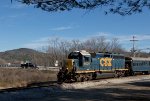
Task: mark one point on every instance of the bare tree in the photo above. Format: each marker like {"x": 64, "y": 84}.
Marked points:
{"x": 52, "y": 50}
{"x": 96, "y": 44}
{"x": 90, "y": 45}
{"x": 122, "y": 7}
{"x": 102, "y": 44}
{"x": 115, "y": 46}
{"x": 64, "y": 47}
{"x": 59, "y": 49}
{"x": 76, "y": 45}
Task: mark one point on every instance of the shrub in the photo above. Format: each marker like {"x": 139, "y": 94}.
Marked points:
{"x": 24, "y": 77}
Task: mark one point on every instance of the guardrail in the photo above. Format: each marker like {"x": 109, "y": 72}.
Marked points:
{"x": 39, "y": 67}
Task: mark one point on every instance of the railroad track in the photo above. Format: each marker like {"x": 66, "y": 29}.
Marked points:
{"x": 105, "y": 79}
{"x": 30, "y": 86}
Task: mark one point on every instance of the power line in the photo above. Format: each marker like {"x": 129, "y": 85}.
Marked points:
{"x": 133, "y": 48}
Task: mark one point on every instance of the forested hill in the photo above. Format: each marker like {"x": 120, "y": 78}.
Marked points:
{"x": 22, "y": 54}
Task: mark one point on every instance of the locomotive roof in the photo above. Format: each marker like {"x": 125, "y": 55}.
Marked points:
{"x": 140, "y": 58}
{"x": 117, "y": 54}
{"x": 109, "y": 53}
{"x": 83, "y": 52}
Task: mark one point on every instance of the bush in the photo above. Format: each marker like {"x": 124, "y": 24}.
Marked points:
{"x": 24, "y": 77}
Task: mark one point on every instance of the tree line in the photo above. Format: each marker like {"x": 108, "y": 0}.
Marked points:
{"x": 58, "y": 50}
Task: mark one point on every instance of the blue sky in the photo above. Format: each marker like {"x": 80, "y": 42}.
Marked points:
{"x": 26, "y": 26}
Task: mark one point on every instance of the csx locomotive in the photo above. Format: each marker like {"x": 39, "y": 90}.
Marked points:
{"x": 82, "y": 65}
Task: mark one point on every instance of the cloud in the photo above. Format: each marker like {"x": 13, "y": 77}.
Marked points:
{"x": 123, "y": 37}
{"x": 42, "y": 42}
{"x": 61, "y": 28}
{"x": 143, "y": 37}
{"x": 99, "y": 34}
{"x": 35, "y": 45}
{"x": 141, "y": 43}
{"x": 139, "y": 37}
{"x": 124, "y": 40}
{"x": 105, "y": 34}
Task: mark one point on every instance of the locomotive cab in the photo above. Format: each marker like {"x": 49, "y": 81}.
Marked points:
{"x": 82, "y": 59}
{"x": 77, "y": 62}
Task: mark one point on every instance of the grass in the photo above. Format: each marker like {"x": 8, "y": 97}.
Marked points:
{"x": 10, "y": 78}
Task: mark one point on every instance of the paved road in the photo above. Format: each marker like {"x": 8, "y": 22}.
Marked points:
{"x": 131, "y": 91}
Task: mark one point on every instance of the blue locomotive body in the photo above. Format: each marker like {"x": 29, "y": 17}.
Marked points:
{"x": 108, "y": 62}
{"x": 100, "y": 62}
{"x": 82, "y": 65}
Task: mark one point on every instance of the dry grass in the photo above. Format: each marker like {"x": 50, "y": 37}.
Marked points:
{"x": 24, "y": 77}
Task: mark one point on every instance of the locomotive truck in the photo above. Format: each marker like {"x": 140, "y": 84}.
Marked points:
{"x": 82, "y": 66}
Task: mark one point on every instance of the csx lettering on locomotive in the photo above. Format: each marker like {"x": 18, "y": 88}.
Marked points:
{"x": 106, "y": 61}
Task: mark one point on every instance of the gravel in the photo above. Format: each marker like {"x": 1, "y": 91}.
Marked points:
{"x": 114, "y": 89}
{"x": 88, "y": 84}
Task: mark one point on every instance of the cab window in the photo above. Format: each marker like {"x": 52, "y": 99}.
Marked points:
{"x": 86, "y": 60}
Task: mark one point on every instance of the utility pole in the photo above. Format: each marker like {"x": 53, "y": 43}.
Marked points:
{"x": 133, "y": 48}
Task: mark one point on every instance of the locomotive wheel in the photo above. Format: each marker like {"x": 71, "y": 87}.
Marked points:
{"x": 131, "y": 73}
{"x": 127, "y": 73}
{"x": 122, "y": 73}
{"x": 94, "y": 75}
{"x": 78, "y": 78}
{"x": 117, "y": 74}
{"x": 82, "y": 79}
{"x": 145, "y": 73}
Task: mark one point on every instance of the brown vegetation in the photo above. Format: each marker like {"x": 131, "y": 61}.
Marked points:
{"x": 24, "y": 77}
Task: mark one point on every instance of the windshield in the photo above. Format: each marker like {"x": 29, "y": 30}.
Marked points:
{"x": 73, "y": 55}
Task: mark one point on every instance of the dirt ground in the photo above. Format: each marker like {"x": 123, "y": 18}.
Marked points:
{"x": 132, "y": 90}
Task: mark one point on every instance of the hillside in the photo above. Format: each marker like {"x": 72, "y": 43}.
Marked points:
{"x": 22, "y": 54}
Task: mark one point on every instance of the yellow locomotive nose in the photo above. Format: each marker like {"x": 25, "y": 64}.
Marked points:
{"x": 69, "y": 64}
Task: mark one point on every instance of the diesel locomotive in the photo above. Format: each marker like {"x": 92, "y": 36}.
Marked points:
{"x": 83, "y": 66}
